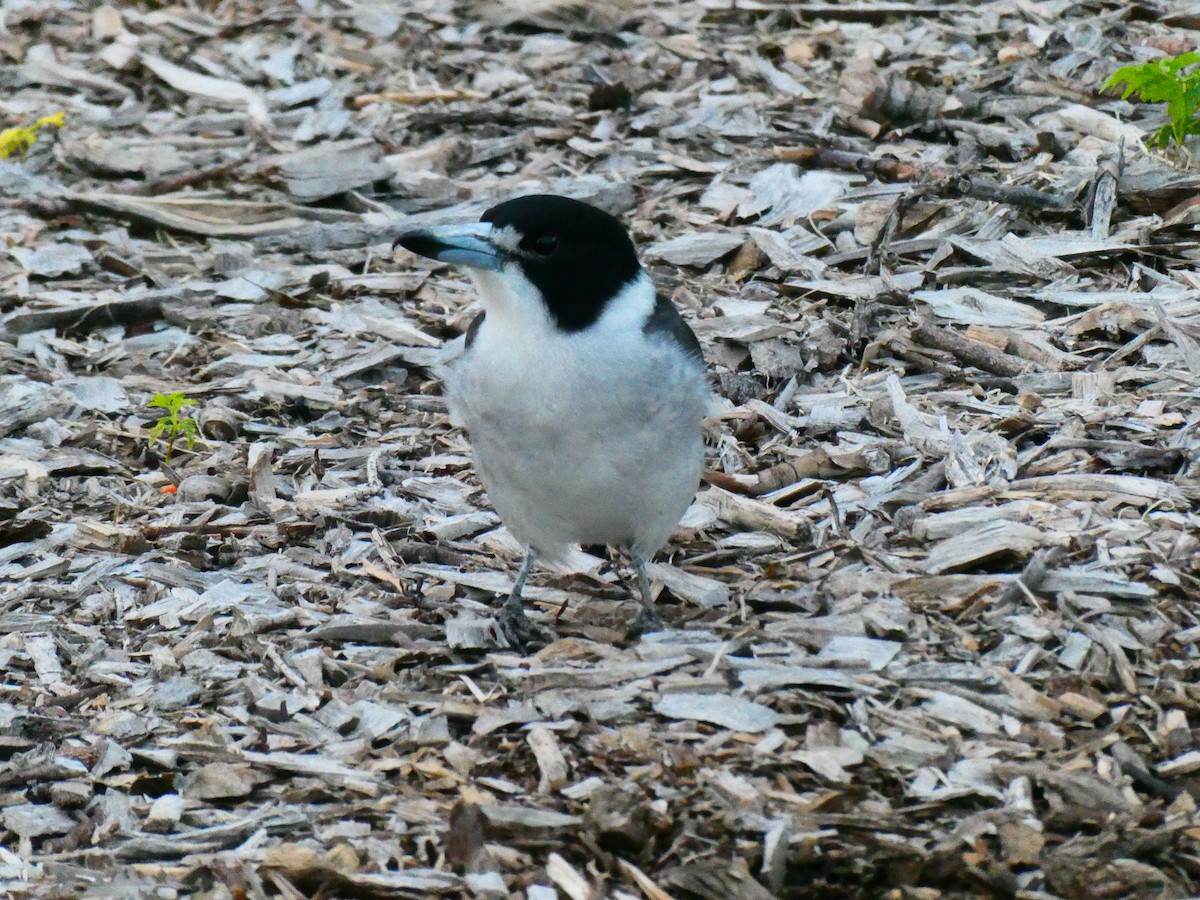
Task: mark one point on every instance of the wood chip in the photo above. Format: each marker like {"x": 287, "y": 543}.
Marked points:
{"x": 734, "y": 713}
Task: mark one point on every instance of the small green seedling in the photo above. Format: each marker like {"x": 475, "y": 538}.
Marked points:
{"x": 173, "y": 425}
{"x": 1164, "y": 81}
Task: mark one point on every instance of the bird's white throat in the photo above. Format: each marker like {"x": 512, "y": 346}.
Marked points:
{"x": 517, "y": 312}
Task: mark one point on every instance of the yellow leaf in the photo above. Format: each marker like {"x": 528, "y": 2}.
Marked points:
{"x": 21, "y": 138}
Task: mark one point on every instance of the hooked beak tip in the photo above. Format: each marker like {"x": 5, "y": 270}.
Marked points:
{"x": 418, "y": 242}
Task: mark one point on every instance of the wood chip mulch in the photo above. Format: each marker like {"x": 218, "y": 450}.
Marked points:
{"x": 933, "y": 617}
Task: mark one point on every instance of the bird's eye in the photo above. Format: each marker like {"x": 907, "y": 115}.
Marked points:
{"x": 542, "y": 245}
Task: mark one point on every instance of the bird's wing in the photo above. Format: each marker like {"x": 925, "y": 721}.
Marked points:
{"x": 473, "y": 328}
{"x": 666, "y": 321}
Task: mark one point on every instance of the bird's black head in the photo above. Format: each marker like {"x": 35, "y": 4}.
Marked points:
{"x": 577, "y": 256}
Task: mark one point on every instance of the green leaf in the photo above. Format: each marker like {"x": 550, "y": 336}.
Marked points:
{"x": 1179, "y": 110}
{"x": 1164, "y": 81}
{"x": 1124, "y": 75}
{"x": 1182, "y": 61}
{"x": 173, "y": 402}
{"x": 1152, "y": 84}
{"x": 1162, "y": 137}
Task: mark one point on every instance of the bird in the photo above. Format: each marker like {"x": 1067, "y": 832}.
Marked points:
{"x": 581, "y": 389}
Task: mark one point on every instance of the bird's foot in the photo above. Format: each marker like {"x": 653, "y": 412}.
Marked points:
{"x": 519, "y": 631}
{"x": 646, "y": 622}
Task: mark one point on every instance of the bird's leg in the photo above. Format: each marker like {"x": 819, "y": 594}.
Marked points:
{"x": 648, "y": 619}
{"x": 513, "y": 623}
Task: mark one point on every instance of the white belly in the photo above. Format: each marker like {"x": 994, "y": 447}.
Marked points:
{"x": 602, "y": 446}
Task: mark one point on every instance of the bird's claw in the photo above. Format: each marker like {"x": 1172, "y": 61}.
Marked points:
{"x": 646, "y": 622}
{"x": 518, "y": 630}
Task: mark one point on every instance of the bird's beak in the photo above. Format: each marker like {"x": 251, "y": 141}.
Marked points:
{"x": 464, "y": 245}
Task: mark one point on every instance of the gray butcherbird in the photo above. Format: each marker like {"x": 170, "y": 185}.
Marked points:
{"x": 582, "y": 391}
